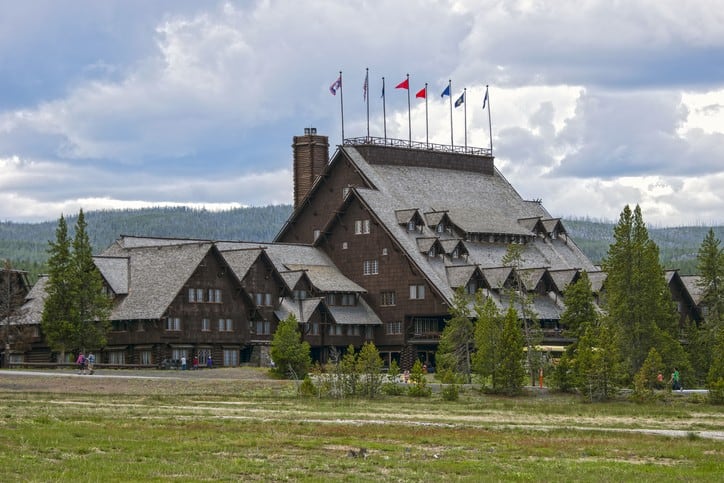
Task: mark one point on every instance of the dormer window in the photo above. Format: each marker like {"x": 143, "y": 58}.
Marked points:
{"x": 431, "y": 253}
{"x": 411, "y": 225}
{"x": 440, "y": 228}
{"x": 455, "y": 253}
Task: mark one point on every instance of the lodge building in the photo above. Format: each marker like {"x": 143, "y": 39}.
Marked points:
{"x": 380, "y": 238}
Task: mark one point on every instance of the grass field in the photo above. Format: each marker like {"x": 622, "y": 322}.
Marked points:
{"x": 237, "y": 424}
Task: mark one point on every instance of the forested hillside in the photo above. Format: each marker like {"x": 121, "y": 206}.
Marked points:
{"x": 25, "y": 244}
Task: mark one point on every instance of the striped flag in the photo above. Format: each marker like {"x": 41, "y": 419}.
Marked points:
{"x": 336, "y": 85}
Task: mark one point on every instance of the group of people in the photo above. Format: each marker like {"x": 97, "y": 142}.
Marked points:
{"x": 674, "y": 380}
{"x": 196, "y": 361}
{"x": 85, "y": 364}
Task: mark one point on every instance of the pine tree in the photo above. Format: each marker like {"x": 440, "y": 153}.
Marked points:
{"x": 638, "y": 300}
{"x": 597, "y": 363}
{"x": 509, "y": 377}
{"x": 369, "y": 367}
{"x": 288, "y": 351}
{"x": 453, "y": 354}
{"x": 59, "y": 311}
{"x": 580, "y": 306}
{"x": 488, "y": 333}
{"x": 93, "y": 306}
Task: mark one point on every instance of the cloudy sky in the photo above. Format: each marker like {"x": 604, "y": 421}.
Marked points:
{"x": 130, "y": 103}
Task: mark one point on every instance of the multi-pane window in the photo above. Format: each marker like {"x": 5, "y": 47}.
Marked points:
{"x": 225, "y": 325}
{"x": 263, "y": 298}
{"x": 353, "y": 330}
{"x": 205, "y": 325}
{"x": 192, "y": 295}
{"x": 471, "y": 287}
{"x": 300, "y": 294}
{"x": 335, "y": 329}
{"x": 199, "y": 295}
{"x": 393, "y": 328}
{"x": 215, "y": 295}
{"x": 370, "y": 267}
{"x": 330, "y": 299}
{"x": 231, "y": 357}
{"x": 315, "y": 328}
{"x": 387, "y": 298}
{"x": 361, "y": 227}
{"x": 173, "y": 324}
{"x": 116, "y": 357}
{"x": 348, "y": 299}
{"x": 144, "y": 357}
{"x": 417, "y": 292}
{"x": 178, "y": 353}
{"x": 263, "y": 327}
{"x": 425, "y": 325}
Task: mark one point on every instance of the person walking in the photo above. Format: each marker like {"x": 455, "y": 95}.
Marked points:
{"x": 183, "y": 363}
{"x": 91, "y": 363}
{"x": 80, "y": 361}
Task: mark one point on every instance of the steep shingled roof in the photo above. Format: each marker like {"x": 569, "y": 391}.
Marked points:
{"x": 115, "y": 271}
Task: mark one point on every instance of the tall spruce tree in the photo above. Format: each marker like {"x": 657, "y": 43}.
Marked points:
{"x": 488, "y": 334}
{"x": 291, "y": 356}
{"x": 453, "y": 354}
{"x": 59, "y": 310}
{"x": 703, "y": 337}
{"x": 638, "y": 300}
{"x": 93, "y": 306}
{"x": 509, "y": 378}
{"x": 580, "y": 306}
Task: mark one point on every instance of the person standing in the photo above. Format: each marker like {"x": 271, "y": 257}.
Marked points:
{"x": 196, "y": 362}
{"x": 81, "y": 363}
{"x": 183, "y": 363}
{"x": 677, "y": 380}
{"x": 208, "y": 361}
{"x": 91, "y": 362}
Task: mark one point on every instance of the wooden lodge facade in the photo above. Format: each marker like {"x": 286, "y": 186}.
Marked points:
{"x": 381, "y": 237}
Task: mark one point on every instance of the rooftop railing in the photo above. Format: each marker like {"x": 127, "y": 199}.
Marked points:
{"x": 401, "y": 143}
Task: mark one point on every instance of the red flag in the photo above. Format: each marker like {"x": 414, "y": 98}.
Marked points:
{"x": 422, "y": 94}
{"x": 405, "y": 84}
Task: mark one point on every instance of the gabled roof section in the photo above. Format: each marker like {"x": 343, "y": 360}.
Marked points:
{"x": 497, "y": 277}
{"x": 241, "y": 260}
{"x": 563, "y": 278}
{"x": 598, "y": 279}
{"x": 32, "y": 310}
{"x": 692, "y": 284}
{"x": 303, "y": 310}
{"x": 360, "y": 314}
{"x": 553, "y": 225}
{"x": 328, "y": 279}
{"x": 449, "y": 246}
{"x": 405, "y": 216}
{"x": 157, "y": 275}
{"x": 530, "y": 277}
{"x": 295, "y": 278}
{"x": 424, "y": 244}
{"x": 115, "y": 271}
{"x": 433, "y": 218}
{"x": 460, "y": 275}
{"x": 534, "y": 224}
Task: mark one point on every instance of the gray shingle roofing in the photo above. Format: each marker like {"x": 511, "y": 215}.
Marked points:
{"x": 360, "y": 314}
{"x": 404, "y": 216}
{"x": 597, "y": 279}
{"x": 531, "y": 276}
{"x": 115, "y": 271}
{"x": 459, "y": 275}
{"x": 563, "y": 278}
{"x": 289, "y": 306}
{"x": 32, "y": 310}
{"x": 157, "y": 275}
{"x": 328, "y": 279}
{"x": 241, "y": 260}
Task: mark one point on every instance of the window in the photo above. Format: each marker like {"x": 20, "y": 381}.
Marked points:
{"x": 425, "y": 325}
{"x": 471, "y": 287}
{"x": 116, "y": 357}
{"x": 225, "y": 325}
{"x": 370, "y": 267}
{"x": 353, "y": 330}
{"x": 455, "y": 253}
{"x": 348, "y": 299}
{"x": 263, "y": 327}
{"x": 335, "y": 329}
{"x": 215, "y": 295}
{"x": 393, "y": 328}
{"x": 263, "y": 298}
{"x": 417, "y": 292}
{"x": 440, "y": 227}
{"x": 330, "y": 299}
{"x": 205, "y": 325}
{"x": 411, "y": 225}
{"x": 192, "y": 295}
{"x": 173, "y": 324}
{"x": 267, "y": 299}
{"x": 119, "y": 325}
{"x": 384, "y": 252}
{"x": 315, "y": 328}
{"x": 144, "y": 357}
{"x": 231, "y": 357}
{"x": 199, "y": 295}
{"x": 177, "y": 354}
{"x": 432, "y": 253}
{"x": 387, "y": 298}
{"x": 300, "y": 294}
{"x": 361, "y": 227}
{"x": 344, "y": 245}
{"x": 369, "y": 332}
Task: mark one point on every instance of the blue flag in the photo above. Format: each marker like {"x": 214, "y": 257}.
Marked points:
{"x": 446, "y": 92}
{"x": 460, "y": 100}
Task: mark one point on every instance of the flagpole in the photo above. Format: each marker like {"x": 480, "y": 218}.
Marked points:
{"x": 341, "y": 103}
{"x": 384, "y": 111}
{"x": 465, "y": 117}
{"x": 427, "y": 139}
{"x": 409, "y": 116}
{"x": 490, "y": 124}
{"x": 367, "y": 98}
{"x": 449, "y": 87}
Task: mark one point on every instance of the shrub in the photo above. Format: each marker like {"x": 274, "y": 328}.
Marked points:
{"x": 451, "y": 392}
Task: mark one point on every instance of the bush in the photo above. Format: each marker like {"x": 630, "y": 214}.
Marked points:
{"x": 419, "y": 386}
{"x": 306, "y": 388}
{"x": 451, "y": 392}
{"x": 716, "y": 391}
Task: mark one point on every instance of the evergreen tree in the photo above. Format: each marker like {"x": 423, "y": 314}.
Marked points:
{"x": 638, "y": 300}
{"x": 702, "y": 338}
{"x": 418, "y": 382}
{"x": 453, "y": 354}
{"x": 523, "y": 301}
{"x": 92, "y": 305}
{"x": 348, "y": 371}
{"x": 646, "y": 379}
{"x": 580, "y": 306}
{"x": 488, "y": 334}
{"x": 59, "y": 311}
{"x": 509, "y": 378}
{"x": 288, "y": 351}
{"x": 715, "y": 380}
{"x": 369, "y": 367}
{"x": 597, "y": 363}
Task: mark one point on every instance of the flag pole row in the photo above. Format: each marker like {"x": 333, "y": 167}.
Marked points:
{"x": 336, "y": 87}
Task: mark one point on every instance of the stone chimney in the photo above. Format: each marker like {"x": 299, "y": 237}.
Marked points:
{"x": 311, "y": 153}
